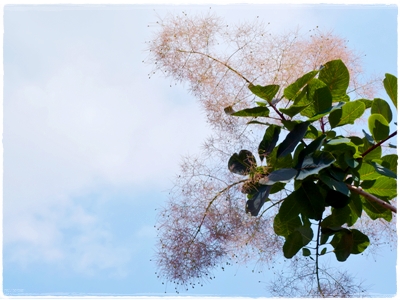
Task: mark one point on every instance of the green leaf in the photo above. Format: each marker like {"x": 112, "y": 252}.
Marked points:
{"x": 277, "y": 187}
{"x": 309, "y": 97}
{"x": 264, "y": 92}
{"x": 383, "y": 171}
{"x": 293, "y": 110}
{"x": 290, "y": 207}
{"x": 242, "y": 163}
{"x": 275, "y": 163}
{"x": 390, "y": 84}
{"x": 258, "y": 122}
{"x": 335, "y": 185}
{"x": 349, "y": 112}
{"x": 310, "y": 149}
{"x": 367, "y": 172}
{"x": 306, "y": 252}
{"x": 381, "y": 187}
{"x": 378, "y": 126}
{"x": 323, "y": 251}
{"x": 297, "y": 240}
{"x": 312, "y": 164}
{"x": 336, "y": 199}
{"x": 257, "y": 200}
{"x": 390, "y": 161}
{"x": 326, "y": 112}
{"x": 360, "y": 241}
{"x": 374, "y": 154}
{"x": 258, "y": 111}
{"x": 311, "y": 202}
{"x": 293, "y": 89}
{"x": 375, "y": 211}
{"x": 346, "y": 242}
{"x": 336, "y": 77}
{"x": 380, "y": 106}
{"x": 342, "y": 243}
{"x": 368, "y": 137}
{"x": 281, "y": 175}
{"x": 367, "y": 102}
{"x": 292, "y": 139}
{"x": 285, "y": 227}
{"x": 321, "y": 103}
{"x": 269, "y": 141}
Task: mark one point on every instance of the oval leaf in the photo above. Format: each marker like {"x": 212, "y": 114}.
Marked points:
{"x": 390, "y": 84}
{"x": 378, "y": 126}
{"x": 281, "y": 175}
{"x": 264, "y": 92}
{"x": 242, "y": 163}
{"x": 269, "y": 141}
{"x": 336, "y": 76}
{"x": 380, "y": 106}
{"x": 258, "y": 111}
{"x": 292, "y": 139}
{"x": 348, "y": 113}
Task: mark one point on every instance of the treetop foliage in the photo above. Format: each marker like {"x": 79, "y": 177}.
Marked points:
{"x": 287, "y": 170}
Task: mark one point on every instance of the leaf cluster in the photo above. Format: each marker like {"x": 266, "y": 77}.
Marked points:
{"x": 333, "y": 178}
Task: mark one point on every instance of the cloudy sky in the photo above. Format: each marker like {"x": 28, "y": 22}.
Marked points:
{"x": 91, "y": 144}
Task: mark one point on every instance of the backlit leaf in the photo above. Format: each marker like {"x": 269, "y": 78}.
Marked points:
{"x": 390, "y": 84}
{"x": 348, "y": 113}
{"x": 378, "y": 126}
{"x": 264, "y": 92}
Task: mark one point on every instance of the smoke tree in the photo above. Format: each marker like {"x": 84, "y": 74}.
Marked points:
{"x": 285, "y": 172}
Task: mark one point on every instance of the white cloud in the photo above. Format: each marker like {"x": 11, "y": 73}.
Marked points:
{"x": 73, "y": 129}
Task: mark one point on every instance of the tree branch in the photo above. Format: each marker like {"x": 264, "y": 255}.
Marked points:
{"x": 378, "y": 144}
{"x": 372, "y": 198}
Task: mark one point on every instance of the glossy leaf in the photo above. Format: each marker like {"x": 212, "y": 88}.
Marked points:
{"x": 254, "y": 204}
{"x": 390, "y": 84}
{"x": 380, "y": 106}
{"x": 264, "y": 92}
{"x": 269, "y": 141}
{"x": 292, "y": 139}
{"x": 310, "y": 149}
{"x": 383, "y": 171}
{"x": 348, "y": 113}
{"x": 335, "y": 185}
{"x": 336, "y": 76}
{"x": 378, "y": 126}
{"x": 314, "y": 163}
{"x": 242, "y": 163}
{"x": 281, "y": 175}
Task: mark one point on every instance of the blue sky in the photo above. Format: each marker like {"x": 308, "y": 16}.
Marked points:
{"x": 91, "y": 145}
